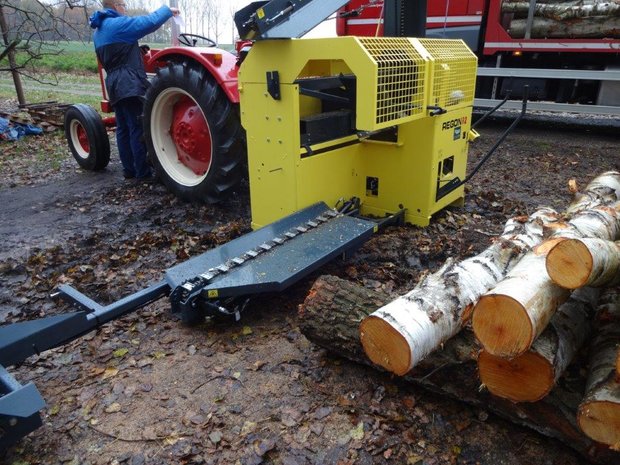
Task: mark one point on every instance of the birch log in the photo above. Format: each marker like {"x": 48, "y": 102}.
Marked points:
{"x": 509, "y": 317}
{"x": 563, "y": 11}
{"x": 603, "y": 189}
{"x": 594, "y": 27}
{"x": 330, "y": 317}
{"x": 599, "y": 413}
{"x": 531, "y": 376}
{"x": 403, "y": 332}
{"x": 575, "y": 263}
{"x": 566, "y": 2}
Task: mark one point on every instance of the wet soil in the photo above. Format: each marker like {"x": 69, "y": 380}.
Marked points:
{"x": 148, "y": 390}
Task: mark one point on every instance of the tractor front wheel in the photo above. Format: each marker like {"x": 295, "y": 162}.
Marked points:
{"x": 193, "y": 133}
{"x": 87, "y": 137}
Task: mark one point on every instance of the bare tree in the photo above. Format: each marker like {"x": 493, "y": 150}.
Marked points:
{"x": 233, "y": 7}
{"x": 30, "y": 31}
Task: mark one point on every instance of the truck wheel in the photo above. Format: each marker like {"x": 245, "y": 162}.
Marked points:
{"x": 193, "y": 134}
{"x": 87, "y": 137}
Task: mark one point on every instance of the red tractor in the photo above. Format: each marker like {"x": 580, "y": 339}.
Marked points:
{"x": 191, "y": 121}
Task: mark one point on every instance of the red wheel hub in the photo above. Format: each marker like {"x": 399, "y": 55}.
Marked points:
{"x": 191, "y": 136}
{"x": 82, "y": 137}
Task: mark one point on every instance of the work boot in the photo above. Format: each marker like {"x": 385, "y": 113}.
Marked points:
{"x": 148, "y": 180}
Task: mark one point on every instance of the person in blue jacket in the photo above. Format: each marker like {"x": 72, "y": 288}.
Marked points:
{"x": 116, "y": 44}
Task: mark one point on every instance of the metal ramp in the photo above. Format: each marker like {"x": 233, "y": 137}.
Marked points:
{"x": 272, "y": 258}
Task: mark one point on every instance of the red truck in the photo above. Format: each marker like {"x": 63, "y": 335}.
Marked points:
{"x": 568, "y": 55}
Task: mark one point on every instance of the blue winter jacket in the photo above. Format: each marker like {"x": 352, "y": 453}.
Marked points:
{"x": 116, "y": 43}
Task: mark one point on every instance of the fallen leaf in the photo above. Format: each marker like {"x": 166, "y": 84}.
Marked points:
{"x": 261, "y": 447}
{"x": 110, "y": 372}
{"x": 119, "y": 353}
{"x": 215, "y": 437}
{"x": 258, "y": 365}
{"x": 113, "y": 408}
{"x": 414, "y": 459}
{"x": 247, "y": 428}
{"x": 358, "y": 432}
{"x": 171, "y": 440}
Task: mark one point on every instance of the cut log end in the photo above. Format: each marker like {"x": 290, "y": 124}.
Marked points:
{"x": 600, "y": 420}
{"x": 569, "y": 264}
{"x": 502, "y": 326}
{"x": 527, "y": 378}
{"x": 385, "y": 346}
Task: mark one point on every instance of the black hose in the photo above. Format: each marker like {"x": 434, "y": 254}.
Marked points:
{"x": 502, "y": 137}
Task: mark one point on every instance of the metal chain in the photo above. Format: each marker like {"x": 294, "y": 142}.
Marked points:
{"x": 190, "y": 289}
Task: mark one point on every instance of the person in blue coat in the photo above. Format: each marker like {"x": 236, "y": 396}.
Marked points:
{"x": 116, "y": 44}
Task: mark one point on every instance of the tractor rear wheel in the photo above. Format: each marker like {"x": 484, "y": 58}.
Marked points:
{"x": 87, "y": 137}
{"x": 193, "y": 133}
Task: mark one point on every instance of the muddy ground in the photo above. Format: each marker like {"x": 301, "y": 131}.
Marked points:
{"x": 147, "y": 390}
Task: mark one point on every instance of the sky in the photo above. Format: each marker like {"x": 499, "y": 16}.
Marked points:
{"x": 325, "y": 29}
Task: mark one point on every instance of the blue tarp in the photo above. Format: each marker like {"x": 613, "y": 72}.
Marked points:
{"x": 14, "y": 131}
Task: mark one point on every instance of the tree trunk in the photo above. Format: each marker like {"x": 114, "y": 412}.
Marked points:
{"x": 575, "y": 263}
{"x": 401, "y": 334}
{"x": 563, "y": 11}
{"x": 509, "y": 317}
{"x": 19, "y": 89}
{"x": 599, "y": 413}
{"x": 595, "y": 27}
{"x": 531, "y": 376}
{"x": 333, "y": 310}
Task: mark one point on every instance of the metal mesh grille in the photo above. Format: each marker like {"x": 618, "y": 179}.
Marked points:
{"x": 454, "y": 72}
{"x": 400, "y": 78}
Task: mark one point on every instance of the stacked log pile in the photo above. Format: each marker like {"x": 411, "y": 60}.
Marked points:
{"x": 530, "y": 327}
{"x": 599, "y": 412}
{"x": 592, "y": 19}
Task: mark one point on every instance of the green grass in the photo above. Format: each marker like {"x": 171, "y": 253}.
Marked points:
{"x": 71, "y": 88}
{"x": 65, "y": 56}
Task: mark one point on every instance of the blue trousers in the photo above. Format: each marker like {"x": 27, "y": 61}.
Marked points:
{"x": 130, "y": 138}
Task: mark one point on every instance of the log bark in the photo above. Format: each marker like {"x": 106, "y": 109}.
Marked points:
{"x": 333, "y": 310}
{"x": 599, "y": 412}
{"x": 603, "y": 189}
{"x": 509, "y": 317}
{"x": 563, "y": 11}
{"x": 400, "y": 334}
{"x": 594, "y": 27}
{"x": 575, "y": 263}
{"x": 573, "y": 2}
{"x": 531, "y": 376}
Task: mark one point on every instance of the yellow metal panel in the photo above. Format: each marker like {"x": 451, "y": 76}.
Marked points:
{"x": 396, "y": 79}
{"x": 454, "y": 70}
{"x": 390, "y": 72}
{"x": 273, "y": 150}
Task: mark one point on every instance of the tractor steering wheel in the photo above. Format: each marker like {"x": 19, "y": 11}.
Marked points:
{"x": 192, "y": 39}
